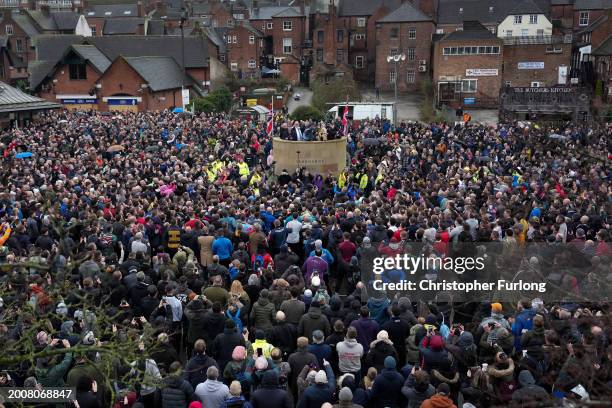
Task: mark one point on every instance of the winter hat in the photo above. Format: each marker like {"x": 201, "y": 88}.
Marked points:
{"x": 308, "y": 293}
{"x": 61, "y": 309}
{"x": 264, "y": 293}
{"x": 345, "y": 394}
{"x": 443, "y": 389}
{"x": 383, "y": 336}
{"x": 436, "y": 343}
{"x": 366, "y": 242}
{"x": 196, "y": 404}
{"x": 404, "y": 303}
{"x": 239, "y": 353}
{"x": 316, "y": 281}
{"x": 310, "y": 377}
{"x": 318, "y": 244}
{"x": 66, "y": 327}
{"x": 390, "y": 362}
{"x": 321, "y": 377}
{"x": 318, "y": 337}
{"x": 261, "y": 363}
{"x": 235, "y": 388}
{"x": 496, "y": 307}
{"x": 30, "y": 382}
{"x": 260, "y": 334}
{"x": 431, "y": 319}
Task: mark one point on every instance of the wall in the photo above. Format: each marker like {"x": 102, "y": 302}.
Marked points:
{"x": 241, "y": 51}
{"x": 456, "y": 66}
{"x": 120, "y": 78}
{"x": 318, "y": 157}
{"x": 67, "y": 86}
{"x": 290, "y": 71}
{"x": 535, "y": 53}
{"x": 422, "y": 45}
{"x": 593, "y": 15}
{"x": 296, "y": 34}
{"x": 516, "y": 29}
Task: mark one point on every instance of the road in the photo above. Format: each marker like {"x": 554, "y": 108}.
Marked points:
{"x": 304, "y": 100}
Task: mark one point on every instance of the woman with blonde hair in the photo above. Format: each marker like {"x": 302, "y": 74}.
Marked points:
{"x": 240, "y": 298}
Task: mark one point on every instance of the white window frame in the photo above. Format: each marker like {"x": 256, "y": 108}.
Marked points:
{"x": 288, "y": 25}
{"x": 524, "y": 32}
{"x": 411, "y": 54}
{"x": 466, "y": 88}
{"x": 229, "y": 39}
{"x": 233, "y": 66}
{"x": 19, "y": 45}
{"x": 540, "y": 32}
{"x": 270, "y": 26}
{"x": 8, "y": 29}
{"x": 583, "y": 18}
{"x": 533, "y": 19}
{"x": 518, "y": 19}
{"x": 410, "y": 76}
{"x": 361, "y": 21}
{"x": 251, "y": 39}
{"x": 412, "y": 33}
{"x": 359, "y": 62}
{"x": 392, "y": 74}
{"x": 536, "y": 84}
{"x": 360, "y": 36}
{"x": 287, "y": 45}
{"x": 234, "y": 39}
{"x": 252, "y": 63}
{"x": 508, "y": 33}
{"x": 263, "y": 26}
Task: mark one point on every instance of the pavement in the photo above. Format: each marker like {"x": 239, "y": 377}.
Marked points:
{"x": 407, "y": 107}
{"x": 305, "y": 100}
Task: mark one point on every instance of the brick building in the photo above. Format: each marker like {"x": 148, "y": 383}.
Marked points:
{"x": 468, "y": 67}
{"x": 12, "y": 67}
{"x": 537, "y": 61}
{"x": 408, "y": 31}
{"x": 243, "y": 48}
{"x": 289, "y": 33}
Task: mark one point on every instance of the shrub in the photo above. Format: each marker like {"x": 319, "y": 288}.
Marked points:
{"x": 334, "y": 90}
{"x": 307, "y": 113}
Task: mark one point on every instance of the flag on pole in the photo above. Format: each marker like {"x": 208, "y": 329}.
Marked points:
{"x": 345, "y": 119}
{"x": 270, "y": 126}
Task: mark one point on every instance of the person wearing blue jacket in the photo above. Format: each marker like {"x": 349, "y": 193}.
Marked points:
{"x": 223, "y": 248}
{"x": 321, "y": 391}
{"x": 523, "y": 321}
{"x": 387, "y": 386}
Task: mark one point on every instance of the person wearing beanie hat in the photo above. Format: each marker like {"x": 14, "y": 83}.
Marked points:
{"x": 261, "y": 347}
{"x": 496, "y": 319}
{"x": 387, "y": 386}
{"x": 269, "y": 394}
{"x": 263, "y": 312}
{"x": 321, "y": 391}
{"x": 225, "y": 343}
{"x": 440, "y": 399}
{"x": 313, "y": 320}
{"x": 319, "y": 348}
{"x": 380, "y": 350}
{"x": 345, "y": 399}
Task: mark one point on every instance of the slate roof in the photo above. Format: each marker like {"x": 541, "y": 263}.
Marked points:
{"x": 288, "y": 12}
{"x": 156, "y": 27}
{"x": 160, "y": 73}
{"x": 405, "y": 12}
{"x": 115, "y": 10}
{"x": 122, "y": 25}
{"x": 592, "y": 4}
{"x": 199, "y": 8}
{"x": 216, "y": 38}
{"x": 65, "y": 20}
{"x": 25, "y": 24}
{"x": 13, "y": 99}
{"x": 365, "y": 7}
{"x": 472, "y": 30}
{"x": 526, "y": 7}
{"x": 267, "y": 12}
{"x": 90, "y": 53}
{"x": 485, "y": 11}
{"x": 605, "y": 48}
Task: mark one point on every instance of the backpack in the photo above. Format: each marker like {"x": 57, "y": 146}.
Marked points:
{"x": 258, "y": 262}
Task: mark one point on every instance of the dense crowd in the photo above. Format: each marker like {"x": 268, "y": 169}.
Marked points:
{"x": 157, "y": 260}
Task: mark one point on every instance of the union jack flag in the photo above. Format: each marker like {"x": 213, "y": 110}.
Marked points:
{"x": 345, "y": 119}
{"x": 270, "y": 126}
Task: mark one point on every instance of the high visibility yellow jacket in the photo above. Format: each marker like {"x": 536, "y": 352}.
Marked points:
{"x": 243, "y": 169}
{"x": 363, "y": 181}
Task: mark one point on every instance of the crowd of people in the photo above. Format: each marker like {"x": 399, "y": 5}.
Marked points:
{"x": 159, "y": 260}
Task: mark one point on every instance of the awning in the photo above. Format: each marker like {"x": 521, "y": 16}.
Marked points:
{"x": 269, "y": 71}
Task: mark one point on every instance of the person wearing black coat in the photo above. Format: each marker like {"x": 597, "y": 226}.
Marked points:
{"x": 196, "y": 313}
{"x": 86, "y": 393}
{"x": 224, "y": 344}
{"x": 398, "y": 331}
{"x": 380, "y": 349}
{"x": 214, "y": 323}
{"x": 175, "y": 391}
{"x": 283, "y": 335}
{"x": 270, "y": 395}
{"x": 164, "y": 353}
{"x": 137, "y": 293}
{"x": 387, "y": 386}
{"x": 195, "y": 370}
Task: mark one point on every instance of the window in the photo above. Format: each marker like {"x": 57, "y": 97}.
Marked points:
{"x": 359, "y": 62}
{"x": 287, "y": 25}
{"x": 229, "y": 39}
{"x": 533, "y": 19}
{"x": 536, "y": 84}
{"x": 251, "y": 39}
{"x": 319, "y": 55}
{"x": 320, "y": 36}
{"x": 269, "y": 26}
{"x": 360, "y": 36}
{"x": 234, "y": 66}
{"x": 339, "y": 56}
{"x": 508, "y": 83}
{"x": 557, "y": 49}
{"x": 411, "y": 52}
{"x": 9, "y": 29}
{"x": 467, "y": 86}
{"x": 393, "y": 51}
{"x": 540, "y": 33}
{"x": 410, "y": 76}
{"x": 412, "y": 33}
{"x": 392, "y": 77}
{"x": 93, "y": 31}
{"x": 508, "y": 33}
{"x": 230, "y": 23}
{"x": 524, "y": 32}
{"x": 19, "y": 45}
{"x": 234, "y": 39}
{"x": 263, "y": 26}
{"x": 222, "y": 57}
{"x": 77, "y": 71}
{"x": 252, "y": 63}
{"x": 361, "y": 22}
{"x": 287, "y": 45}
{"x": 518, "y": 19}
{"x": 394, "y": 32}
{"x": 583, "y": 20}
{"x": 339, "y": 36}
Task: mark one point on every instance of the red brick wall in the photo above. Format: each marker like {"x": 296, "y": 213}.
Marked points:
{"x": 296, "y": 34}
{"x": 221, "y": 15}
{"x": 291, "y": 72}
{"x": 563, "y": 13}
{"x": 66, "y": 86}
{"x": 593, "y": 15}
{"x": 96, "y": 22}
{"x": 330, "y": 24}
{"x": 487, "y": 88}
{"x": 535, "y": 52}
{"x": 241, "y": 51}
{"x": 422, "y": 46}
{"x": 27, "y": 54}
{"x": 120, "y": 79}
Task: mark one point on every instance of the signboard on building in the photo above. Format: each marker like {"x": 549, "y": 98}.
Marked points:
{"x": 480, "y": 72}
{"x": 79, "y": 101}
{"x": 251, "y": 102}
{"x": 574, "y": 81}
{"x": 122, "y": 101}
{"x": 562, "y": 80}
{"x": 542, "y": 90}
{"x": 469, "y": 101}
{"x": 185, "y": 95}
{"x": 531, "y": 65}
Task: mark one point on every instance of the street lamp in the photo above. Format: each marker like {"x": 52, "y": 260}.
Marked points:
{"x": 396, "y": 58}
